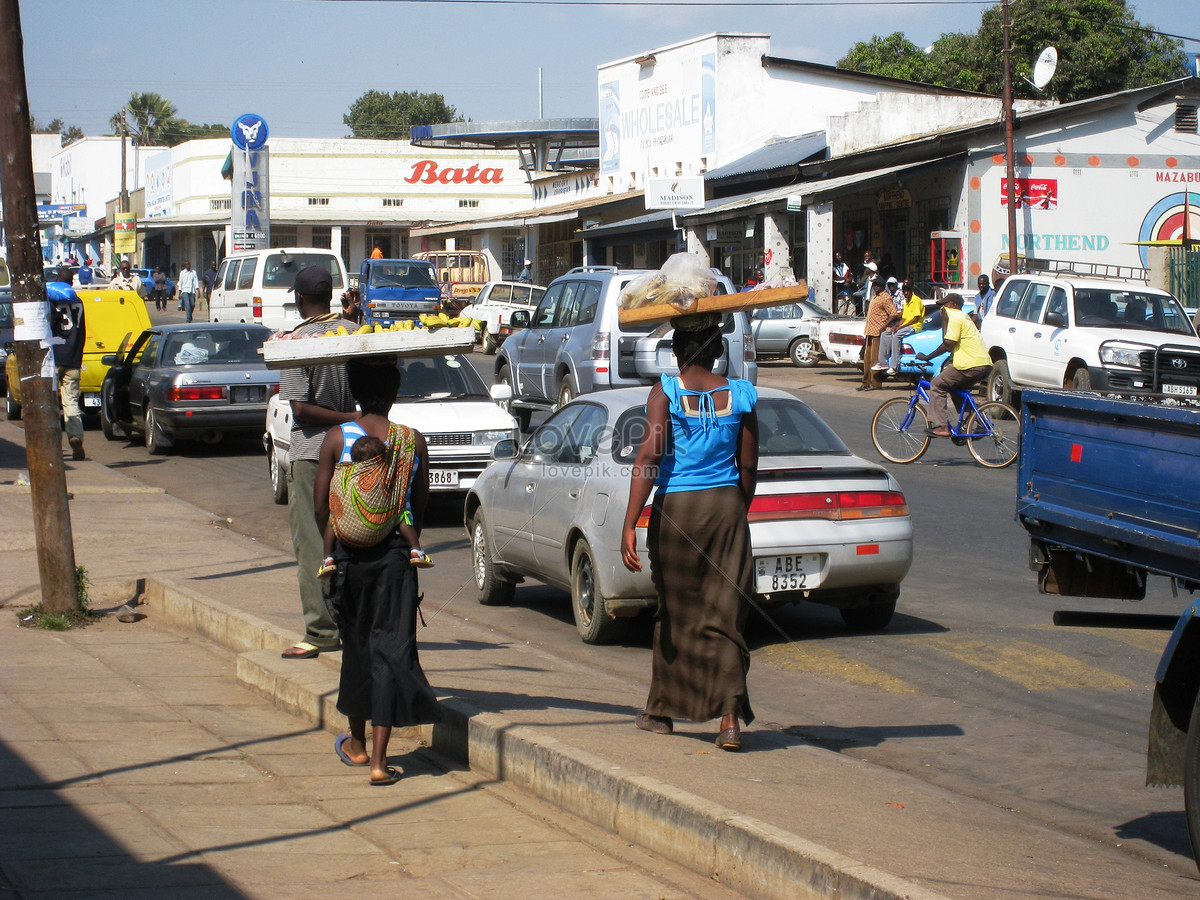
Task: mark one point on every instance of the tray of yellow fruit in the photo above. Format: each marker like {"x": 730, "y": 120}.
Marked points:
{"x": 340, "y": 344}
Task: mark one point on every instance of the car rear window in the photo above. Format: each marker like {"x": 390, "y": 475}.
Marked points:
{"x": 281, "y": 268}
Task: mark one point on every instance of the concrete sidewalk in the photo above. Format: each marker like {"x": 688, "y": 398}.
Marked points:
{"x": 782, "y": 819}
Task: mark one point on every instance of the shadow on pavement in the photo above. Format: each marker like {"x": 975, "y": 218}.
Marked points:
{"x": 1163, "y": 829}
{"x": 841, "y": 739}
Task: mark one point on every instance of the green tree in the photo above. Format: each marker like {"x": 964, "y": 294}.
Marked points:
{"x": 894, "y": 56}
{"x": 1102, "y": 48}
{"x": 151, "y": 120}
{"x": 67, "y": 133}
{"x": 377, "y": 114}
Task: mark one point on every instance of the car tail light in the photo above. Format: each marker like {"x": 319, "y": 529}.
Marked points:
{"x": 601, "y": 346}
{"x": 257, "y": 308}
{"x": 192, "y": 392}
{"x": 272, "y": 390}
{"x": 837, "y": 337}
{"x": 837, "y": 506}
{"x": 643, "y": 521}
{"x": 748, "y": 346}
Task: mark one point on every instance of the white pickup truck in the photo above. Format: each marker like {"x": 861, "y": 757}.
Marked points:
{"x": 494, "y": 307}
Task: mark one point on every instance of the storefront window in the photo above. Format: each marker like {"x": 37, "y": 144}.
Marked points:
{"x": 798, "y": 233}
{"x": 322, "y": 236}
{"x": 558, "y": 251}
{"x": 283, "y": 236}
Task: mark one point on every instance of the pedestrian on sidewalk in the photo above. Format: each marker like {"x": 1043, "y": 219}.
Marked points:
{"x": 188, "y": 287}
{"x": 701, "y": 453}
{"x": 374, "y": 590}
{"x": 67, "y": 323}
{"x": 879, "y": 315}
{"x": 320, "y": 398}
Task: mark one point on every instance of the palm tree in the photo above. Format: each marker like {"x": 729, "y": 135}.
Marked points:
{"x": 151, "y": 119}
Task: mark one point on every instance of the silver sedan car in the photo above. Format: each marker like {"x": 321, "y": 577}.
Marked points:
{"x": 789, "y": 330}
{"x": 826, "y": 526}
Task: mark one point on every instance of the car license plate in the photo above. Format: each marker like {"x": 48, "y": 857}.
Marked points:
{"x": 1183, "y": 390}
{"x": 249, "y": 394}
{"x": 91, "y": 400}
{"x": 799, "y": 572}
{"x": 443, "y": 478}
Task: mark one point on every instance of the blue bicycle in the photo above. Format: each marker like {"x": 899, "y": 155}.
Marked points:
{"x": 991, "y": 431}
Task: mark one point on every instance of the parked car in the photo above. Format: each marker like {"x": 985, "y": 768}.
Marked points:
{"x": 147, "y": 276}
{"x": 573, "y": 343}
{"x": 928, "y": 339}
{"x": 790, "y": 330}
{"x": 187, "y": 382}
{"x": 445, "y": 399}
{"x": 494, "y": 306}
{"x": 1055, "y": 330}
{"x": 842, "y": 338}
{"x": 552, "y": 510}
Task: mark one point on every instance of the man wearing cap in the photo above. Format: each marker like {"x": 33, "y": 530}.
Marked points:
{"x": 527, "y": 272}
{"x": 320, "y": 399}
{"x": 969, "y": 361}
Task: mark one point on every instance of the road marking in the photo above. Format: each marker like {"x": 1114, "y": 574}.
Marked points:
{"x": 816, "y": 660}
{"x": 1153, "y": 640}
{"x": 1030, "y": 665}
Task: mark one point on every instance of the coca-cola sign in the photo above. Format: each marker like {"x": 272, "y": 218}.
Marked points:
{"x": 426, "y": 171}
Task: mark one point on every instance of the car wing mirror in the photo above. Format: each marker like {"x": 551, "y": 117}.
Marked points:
{"x": 519, "y": 319}
{"x": 1058, "y": 320}
{"x": 109, "y": 359}
{"x": 505, "y": 449}
{"x": 501, "y": 393}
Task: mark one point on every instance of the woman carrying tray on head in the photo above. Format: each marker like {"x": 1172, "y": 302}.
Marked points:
{"x": 375, "y": 588}
{"x": 701, "y": 451}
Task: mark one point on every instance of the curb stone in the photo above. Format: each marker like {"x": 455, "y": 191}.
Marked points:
{"x": 739, "y": 851}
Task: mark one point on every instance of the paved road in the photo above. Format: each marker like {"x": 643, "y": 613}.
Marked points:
{"x": 972, "y": 688}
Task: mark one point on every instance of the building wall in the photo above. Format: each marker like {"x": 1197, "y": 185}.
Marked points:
{"x": 89, "y": 171}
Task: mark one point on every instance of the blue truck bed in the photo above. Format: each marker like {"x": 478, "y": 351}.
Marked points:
{"x": 1116, "y": 478}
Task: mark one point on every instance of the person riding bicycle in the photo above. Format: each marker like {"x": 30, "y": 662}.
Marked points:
{"x": 969, "y": 361}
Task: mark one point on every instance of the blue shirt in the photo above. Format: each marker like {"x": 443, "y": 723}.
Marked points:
{"x": 702, "y": 453}
{"x": 983, "y": 302}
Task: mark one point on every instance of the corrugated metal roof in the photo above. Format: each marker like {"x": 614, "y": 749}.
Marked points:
{"x": 777, "y": 155}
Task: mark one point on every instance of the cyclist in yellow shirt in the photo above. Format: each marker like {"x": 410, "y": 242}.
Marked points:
{"x": 969, "y": 362}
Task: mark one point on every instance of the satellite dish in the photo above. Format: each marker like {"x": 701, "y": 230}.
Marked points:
{"x": 1043, "y": 69}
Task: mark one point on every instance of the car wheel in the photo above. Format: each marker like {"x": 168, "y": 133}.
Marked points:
{"x": 999, "y": 384}
{"x": 12, "y": 409}
{"x": 804, "y": 353}
{"x": 157, "y": 443}
{"x": 874, "y": 617}
{"x": 489, "y": 343}
{"x": 108, "y": 426}
{"x": 279, "y": 488}
{"x": 491, "y": 589}
{"x": 1081, "y": 380}
{"x": 566, "y": 391}
{"x": 592, "y": 620}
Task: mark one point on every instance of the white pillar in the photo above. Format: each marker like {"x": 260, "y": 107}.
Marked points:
{"x": 777, "y": 251}
{"x": 696, "y": 245}
{"x": 820, "y": 253}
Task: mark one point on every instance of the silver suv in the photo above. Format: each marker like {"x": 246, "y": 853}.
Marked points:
{"x": 572, "y": 343}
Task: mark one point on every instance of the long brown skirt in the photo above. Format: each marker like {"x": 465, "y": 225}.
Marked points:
{"x": 699, "y": 543}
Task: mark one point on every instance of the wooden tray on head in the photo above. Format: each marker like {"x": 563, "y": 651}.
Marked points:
{"x": 721, "y": 303}
{"x": 323, "y": 351}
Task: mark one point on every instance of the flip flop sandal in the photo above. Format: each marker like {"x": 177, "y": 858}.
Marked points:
{"x": 393, "y": 775}
{"x": 302, "y": 650}
{"x": 424, "y": 561}
{"x": 343, "y": 755}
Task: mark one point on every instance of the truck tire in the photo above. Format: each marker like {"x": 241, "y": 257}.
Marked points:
{"x": 1081, "y": 380}
{"x": 999, "y": 383}
{"x": 1191, "y": 779}
{"x": 489, "y": 343}
{"x": 566, "y": 391}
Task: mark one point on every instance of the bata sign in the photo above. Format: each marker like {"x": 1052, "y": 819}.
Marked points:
{"x": 426, "y": 171}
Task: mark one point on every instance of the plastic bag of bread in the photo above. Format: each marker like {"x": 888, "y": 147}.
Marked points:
{"x": 681, "y": 281}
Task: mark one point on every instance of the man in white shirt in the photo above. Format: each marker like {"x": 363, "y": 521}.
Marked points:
{"x": 126, "y": 280}
{"x": 869, "y": 272}
{"x": 189, "y": 285}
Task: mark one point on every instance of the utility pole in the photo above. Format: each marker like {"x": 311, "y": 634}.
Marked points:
{"x": 1010, "y": 168}
{"x": 31, "y": 310}
{"x": 124, "y": 203}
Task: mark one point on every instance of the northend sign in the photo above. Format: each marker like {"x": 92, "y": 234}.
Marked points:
{"x": 426, "y": 171}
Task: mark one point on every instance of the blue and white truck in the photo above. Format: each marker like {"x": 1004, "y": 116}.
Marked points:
{"x": 397, "y": 289}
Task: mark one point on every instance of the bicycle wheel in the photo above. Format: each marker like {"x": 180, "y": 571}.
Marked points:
{"x": 1000, "y": 427}
{"x": 898, "y": 434}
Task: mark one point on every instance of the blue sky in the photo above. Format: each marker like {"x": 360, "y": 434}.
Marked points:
{"x": 301, "y": 63}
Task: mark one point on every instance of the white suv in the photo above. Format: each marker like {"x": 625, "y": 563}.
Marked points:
{"x": 1061, "y": 331}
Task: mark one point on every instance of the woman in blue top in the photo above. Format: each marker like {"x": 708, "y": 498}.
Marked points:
{"x": 701, "y": 452}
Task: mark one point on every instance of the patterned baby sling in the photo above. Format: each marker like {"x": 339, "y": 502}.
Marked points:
{"x": 367, "y": 499}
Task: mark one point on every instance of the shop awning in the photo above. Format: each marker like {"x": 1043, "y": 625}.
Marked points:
{"x": 808, "y": 192}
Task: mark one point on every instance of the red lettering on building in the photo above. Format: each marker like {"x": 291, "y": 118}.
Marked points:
{"x": 426, "y": 171}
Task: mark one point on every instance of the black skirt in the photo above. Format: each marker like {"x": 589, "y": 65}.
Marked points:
{"x": 375, "y": 599}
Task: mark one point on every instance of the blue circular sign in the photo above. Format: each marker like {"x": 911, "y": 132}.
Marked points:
{"x": 249, "y": 132}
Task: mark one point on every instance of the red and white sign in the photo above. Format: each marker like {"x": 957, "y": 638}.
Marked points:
{"x": 426, "y": 171}
{"x": 1031, "y": 193}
